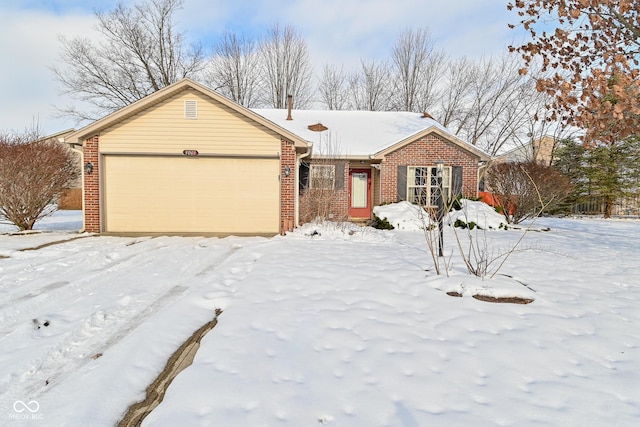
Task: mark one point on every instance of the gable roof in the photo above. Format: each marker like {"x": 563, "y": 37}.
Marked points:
{"x": 362, "y": 134}
{"x": 159, "y": 96}
{"x": 62, "y": 134}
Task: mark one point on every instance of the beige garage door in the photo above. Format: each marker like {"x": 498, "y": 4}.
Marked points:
{"x": 186, "y": 195}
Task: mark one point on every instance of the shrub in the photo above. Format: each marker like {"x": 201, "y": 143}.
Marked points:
{"x": 381, "y": 224}
{"x": 33, "y": 173}
{"x": 461, "y": 224}
{"x": 526, "y": 189}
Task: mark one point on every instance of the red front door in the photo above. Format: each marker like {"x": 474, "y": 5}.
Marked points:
{"x": 359, "y": 193}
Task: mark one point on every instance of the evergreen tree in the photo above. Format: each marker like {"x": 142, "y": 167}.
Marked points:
{"x": 610, "y": 172}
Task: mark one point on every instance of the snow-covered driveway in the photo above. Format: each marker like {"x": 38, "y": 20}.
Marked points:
{"x": 122, "y": 304}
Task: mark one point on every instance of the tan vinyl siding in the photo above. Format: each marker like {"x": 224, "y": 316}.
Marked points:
{"x": 187, "y": 195}
{"x": 163, "y": 129}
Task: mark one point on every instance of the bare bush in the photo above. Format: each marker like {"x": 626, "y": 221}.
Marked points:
{"x": 33, "y": 173}
{"x": 323, "y": 195}
{"x": 320, "y": 205}
{"x": 522, "y": 187}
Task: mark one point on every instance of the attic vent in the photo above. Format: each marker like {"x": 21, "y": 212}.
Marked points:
{"x": 190, "y": 109}
{"x": 318, "y": 127}
{"x": 426, "y": 115}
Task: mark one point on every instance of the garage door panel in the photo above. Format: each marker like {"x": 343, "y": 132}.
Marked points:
{"x": 169, "y": 194}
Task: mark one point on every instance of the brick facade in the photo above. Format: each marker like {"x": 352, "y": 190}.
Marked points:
{"x": 92, "y": 187}
{"x": 340, "y": 203}
{"x": 426, "y": 152}
{"x": 287, "y": 186}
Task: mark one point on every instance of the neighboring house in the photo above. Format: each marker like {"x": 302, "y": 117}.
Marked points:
{"x": 539, "y": 150}
{"x": 71, "y": 197}
{"x": 374, "y": 157}
{"x": 188, "y": 160}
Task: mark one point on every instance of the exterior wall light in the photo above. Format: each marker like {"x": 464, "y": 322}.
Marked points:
{"x": 287, "y": 170}
{"x": 88, "y": 168}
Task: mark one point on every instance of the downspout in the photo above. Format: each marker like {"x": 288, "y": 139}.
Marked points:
{"x": 296, "y": 202}
{"x": 71, "y": 145}
{"x": 378, "y": 166}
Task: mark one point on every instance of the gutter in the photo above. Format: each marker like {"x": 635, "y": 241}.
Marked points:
{"x": 72, "y": 146}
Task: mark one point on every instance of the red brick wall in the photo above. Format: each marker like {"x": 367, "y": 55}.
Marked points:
{"x": 287, "y": 186}
{"x": 425, "y": 152}
{"x": 340, "y": 204}
{"x": 92, "y": 187}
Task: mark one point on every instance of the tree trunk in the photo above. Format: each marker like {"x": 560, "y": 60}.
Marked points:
{"x": 608, "y": 206}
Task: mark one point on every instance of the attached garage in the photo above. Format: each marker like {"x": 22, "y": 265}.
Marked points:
{"x": 191, "y": 195}
{"x": 188, "y": 160}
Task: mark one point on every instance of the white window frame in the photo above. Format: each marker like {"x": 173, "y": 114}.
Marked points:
{"x": 422, "y": 183}
{"x": 324, "y": 175}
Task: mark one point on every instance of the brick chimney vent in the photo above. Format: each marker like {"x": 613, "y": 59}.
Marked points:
{"x": 289, "y": 106}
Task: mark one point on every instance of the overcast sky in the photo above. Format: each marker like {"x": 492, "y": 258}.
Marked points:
{"x": 337, "y": 31}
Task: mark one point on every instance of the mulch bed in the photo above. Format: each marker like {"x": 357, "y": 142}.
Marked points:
{"x": 508, "y": 300}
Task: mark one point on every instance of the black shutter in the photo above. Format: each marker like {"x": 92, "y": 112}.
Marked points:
{"x": 456, "y": 181}
{"x": 304, "y": 176}
{"x": 339, "y": 183}
{"x": 402, "y": 183}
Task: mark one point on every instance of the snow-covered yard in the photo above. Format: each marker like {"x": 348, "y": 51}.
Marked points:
{"x": 330, "y": 325}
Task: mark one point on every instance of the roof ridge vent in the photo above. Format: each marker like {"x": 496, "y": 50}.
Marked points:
{"x": 318, "y": 127}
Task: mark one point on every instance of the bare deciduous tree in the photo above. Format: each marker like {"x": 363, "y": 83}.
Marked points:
{"x": 417, "y": 66}
{"x": 332, "y": 88}
{"x": 490, "y": 102}
{"x": 370, "y": 88}
{"x": 234, "y": 69}
{"x": 33, "y": 173}
{"x": 140, "y": 52}
{"x": 286, "y": 67}
{"x": 458, "y": 78}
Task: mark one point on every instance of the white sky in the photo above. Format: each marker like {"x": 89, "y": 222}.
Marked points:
{"x": 337, "y": 32}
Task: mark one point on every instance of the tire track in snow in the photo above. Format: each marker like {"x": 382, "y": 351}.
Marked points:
{"x": 86, "y": 343}
{"x": 47, "y": 254}
{"x": 36, "y": 293}
{"x": 65, "y": 289}
{"x": 66, "y": 256}
{"x": 101, "y": 330}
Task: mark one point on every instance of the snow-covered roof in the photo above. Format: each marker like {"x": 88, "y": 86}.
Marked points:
{"x": 354, "y": 133}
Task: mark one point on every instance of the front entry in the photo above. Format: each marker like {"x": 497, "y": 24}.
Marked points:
{"x": 360, "y": 193}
